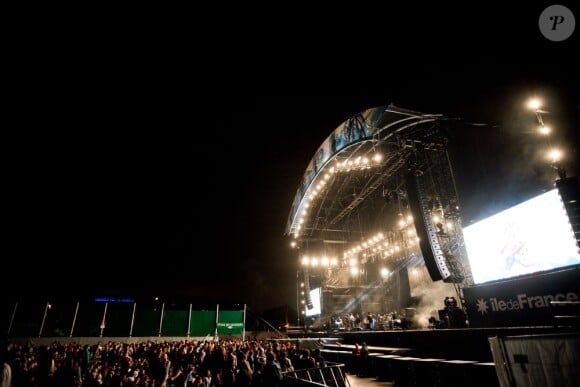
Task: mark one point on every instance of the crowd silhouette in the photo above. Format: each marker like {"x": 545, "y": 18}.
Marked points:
{"x": 186, "y": 363}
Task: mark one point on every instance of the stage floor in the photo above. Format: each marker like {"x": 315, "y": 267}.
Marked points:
{"x": 366, "y": 381}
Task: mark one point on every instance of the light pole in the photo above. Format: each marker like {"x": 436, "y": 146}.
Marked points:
{"x": 299, "y": 285}
{"x": 555, "y": 155}
{"x": 297, "y": 298}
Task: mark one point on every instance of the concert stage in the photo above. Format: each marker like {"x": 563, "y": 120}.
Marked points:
{"x": 378, "y": 230}
{"x": 465, "y": 344}
{"x": 385, "y": 259}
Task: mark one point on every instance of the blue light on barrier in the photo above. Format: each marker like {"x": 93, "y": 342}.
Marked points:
{"x": 107, "y": 299}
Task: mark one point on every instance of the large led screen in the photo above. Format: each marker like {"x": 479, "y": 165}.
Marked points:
{"x": 315, "y": 297}
{"x": 533, "y": 236}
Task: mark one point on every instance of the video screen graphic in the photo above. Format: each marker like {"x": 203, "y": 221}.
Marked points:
{"x": 533, "y": 236}
{"x": 316, "y": 310}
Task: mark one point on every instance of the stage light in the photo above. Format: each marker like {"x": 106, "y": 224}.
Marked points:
{"x": 555, "y": 155}
{"x": 293, "y": 244}
{"x": 385, "y": 272}
{"x": 545, "y": 130}
{"x": 534, "y": 104}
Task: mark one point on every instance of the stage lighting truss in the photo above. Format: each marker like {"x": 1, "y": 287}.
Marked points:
{"x": 358, "y": 202}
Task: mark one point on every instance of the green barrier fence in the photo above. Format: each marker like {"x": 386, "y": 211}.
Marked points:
{"x": 118, "y": 319}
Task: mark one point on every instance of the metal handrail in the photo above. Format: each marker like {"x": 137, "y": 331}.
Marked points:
{"x": 335, "y": 375}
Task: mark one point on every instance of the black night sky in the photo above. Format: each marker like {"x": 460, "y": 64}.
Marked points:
{"x": 168, "y": 166}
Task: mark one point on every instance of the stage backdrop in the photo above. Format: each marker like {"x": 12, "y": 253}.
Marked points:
{"x": 541, "y": 299}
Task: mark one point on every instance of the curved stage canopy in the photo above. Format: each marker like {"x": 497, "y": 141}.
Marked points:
{"x": 364, "y": 141}
{"x": 377, "y": 213}
{"x": 376, "y": 219}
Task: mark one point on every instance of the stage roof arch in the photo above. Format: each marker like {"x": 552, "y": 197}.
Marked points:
{"x": 369, "y": 140}
{"x": 377, "y": 207}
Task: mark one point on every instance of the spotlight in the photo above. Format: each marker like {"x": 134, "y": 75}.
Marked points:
{"x": 534, "y": 104}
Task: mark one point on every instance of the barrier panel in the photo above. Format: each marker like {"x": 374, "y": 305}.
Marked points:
{"x": 117, "y": 318}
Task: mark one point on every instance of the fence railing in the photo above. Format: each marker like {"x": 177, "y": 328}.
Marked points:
{"x": 117, "y": 318}
{"x": 332, "y": 375}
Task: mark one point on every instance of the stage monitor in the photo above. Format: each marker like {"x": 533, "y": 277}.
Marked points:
{"x": 530, "y": 237}
{"x": 315, "y": 297}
